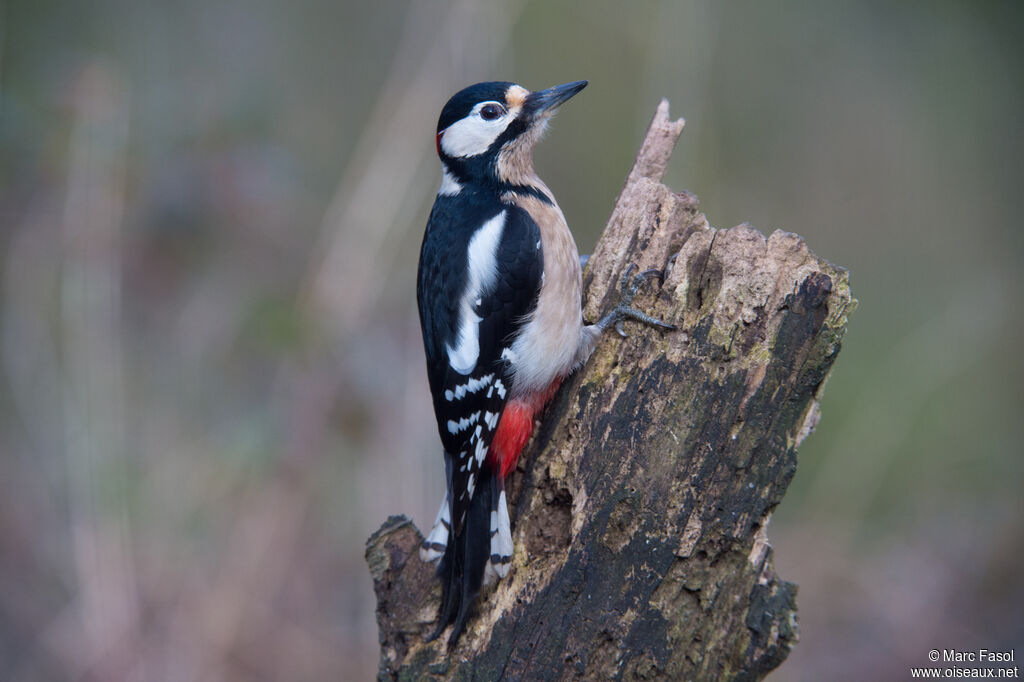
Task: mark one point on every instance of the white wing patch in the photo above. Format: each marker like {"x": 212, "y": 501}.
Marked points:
{"x": 499, "y": 387}
{"x": 463, "y": 357}
{"x": 483, "y": 269}
{"x": 481, "y": 451}
{"x": 464, "y": 423}
{"x": 471, "y": 386}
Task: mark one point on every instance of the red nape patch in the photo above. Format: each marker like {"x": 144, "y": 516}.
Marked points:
{"x": 514, "y": 430}
{"x": 437, "y": 142}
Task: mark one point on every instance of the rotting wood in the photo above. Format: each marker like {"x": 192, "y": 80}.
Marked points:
{"x": 640, "y": 507}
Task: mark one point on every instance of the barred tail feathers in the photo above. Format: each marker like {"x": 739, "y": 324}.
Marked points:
{"x": 436, "y": 543}
{"x": 501, "y": 539}
{"x": 465, "y": 559}
{"x": 477, "y": 548}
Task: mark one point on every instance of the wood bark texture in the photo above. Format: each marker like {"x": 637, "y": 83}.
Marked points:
{"x": 640, "y": 507}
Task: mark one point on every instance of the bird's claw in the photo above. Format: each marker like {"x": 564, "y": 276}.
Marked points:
{"x": 629, "y": 285}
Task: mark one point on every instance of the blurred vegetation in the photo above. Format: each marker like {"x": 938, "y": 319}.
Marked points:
{"x": 212, "y": 387}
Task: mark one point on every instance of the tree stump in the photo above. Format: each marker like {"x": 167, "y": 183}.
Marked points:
{"x": 640, "y": 507}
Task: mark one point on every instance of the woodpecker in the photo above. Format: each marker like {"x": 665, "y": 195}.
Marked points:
{"x": 499, "y": 291}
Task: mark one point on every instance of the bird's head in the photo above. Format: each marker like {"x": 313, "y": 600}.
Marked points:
{"x": 486, "y": 132}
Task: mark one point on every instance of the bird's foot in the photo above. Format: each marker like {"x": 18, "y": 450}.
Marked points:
{"x": 629, "y": 286}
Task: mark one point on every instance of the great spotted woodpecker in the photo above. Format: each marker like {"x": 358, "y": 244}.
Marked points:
{"x": 499, "y": 294}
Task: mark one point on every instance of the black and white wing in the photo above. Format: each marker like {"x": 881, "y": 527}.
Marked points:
{"x": 476, "y": 288}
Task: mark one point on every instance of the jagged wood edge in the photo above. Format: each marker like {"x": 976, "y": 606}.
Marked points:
{"x": 641, "y": 504}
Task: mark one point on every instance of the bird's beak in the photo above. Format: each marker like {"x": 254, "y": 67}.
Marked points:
{"x": 545, "y": 102}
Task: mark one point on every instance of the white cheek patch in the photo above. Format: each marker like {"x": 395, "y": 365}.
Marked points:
{"x": 472, "y": 136}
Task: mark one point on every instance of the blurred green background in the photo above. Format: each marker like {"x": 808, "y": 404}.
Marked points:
{"x": 211, "y": 378}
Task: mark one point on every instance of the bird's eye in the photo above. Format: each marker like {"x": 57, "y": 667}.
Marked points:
{"x": 491, "y": 112}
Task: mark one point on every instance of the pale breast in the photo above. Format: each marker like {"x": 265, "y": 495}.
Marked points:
{"x": 546, "y": 347}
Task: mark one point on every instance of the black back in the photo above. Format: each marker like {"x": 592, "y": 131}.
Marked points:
{"x": 442, "y": 278}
